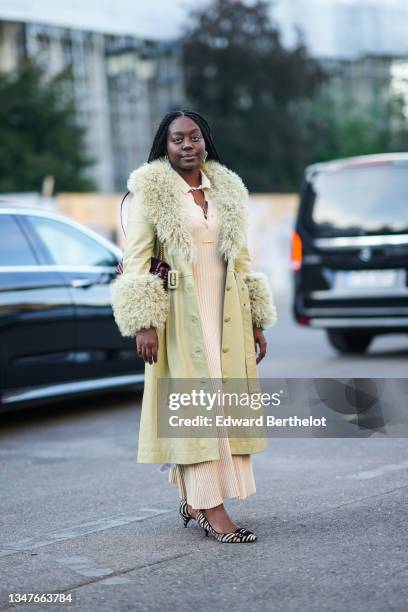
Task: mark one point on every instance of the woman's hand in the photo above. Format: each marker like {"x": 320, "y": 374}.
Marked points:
{"x": 259, "y": 339}
{"x": 147, "y": 344}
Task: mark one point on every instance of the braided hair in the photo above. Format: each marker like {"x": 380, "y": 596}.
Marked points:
{"x": 159, "y": 146}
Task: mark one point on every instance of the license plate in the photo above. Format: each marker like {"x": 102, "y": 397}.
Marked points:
{"x": 369, "y": 279}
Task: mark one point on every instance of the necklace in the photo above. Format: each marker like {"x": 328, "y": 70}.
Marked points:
{"x": 203, "y": 208}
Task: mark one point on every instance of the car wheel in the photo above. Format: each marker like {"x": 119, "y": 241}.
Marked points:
{"x": 354, "y": 341}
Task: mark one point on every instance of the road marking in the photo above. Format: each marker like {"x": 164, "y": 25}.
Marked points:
{"x": 380, "y": 471}
{"x": 76, "y": 531}
{"x": 114, "y": 580}
{"x": 84, "y": 566}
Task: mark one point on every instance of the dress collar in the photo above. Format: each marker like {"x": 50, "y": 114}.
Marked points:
{"x": 185, "y": 187}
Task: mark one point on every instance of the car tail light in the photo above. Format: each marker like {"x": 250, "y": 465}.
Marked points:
{"x": 296, "y": 251}
{"x": 303, "y": 320}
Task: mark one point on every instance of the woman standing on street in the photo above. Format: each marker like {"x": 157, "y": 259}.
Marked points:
{"x": 210, "y": 325}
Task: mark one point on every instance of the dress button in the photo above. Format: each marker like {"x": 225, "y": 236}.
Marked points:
{"x": 228, "y": 287}
{"x": 226, "y": 319}
{"x": 194, "y": 319}
{"x": 225, "y": 349}
{"x": 198, "y": 351}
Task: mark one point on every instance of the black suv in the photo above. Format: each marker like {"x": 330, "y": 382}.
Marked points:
{"x": 350, "y": 249}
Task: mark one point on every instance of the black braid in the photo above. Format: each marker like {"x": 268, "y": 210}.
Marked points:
{"x": 159, "y": 146}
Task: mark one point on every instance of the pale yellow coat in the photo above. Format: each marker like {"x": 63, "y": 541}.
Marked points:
{"x": 139, "y": 300}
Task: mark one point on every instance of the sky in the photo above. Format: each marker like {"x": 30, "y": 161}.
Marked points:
{"x": 332, "y": 28}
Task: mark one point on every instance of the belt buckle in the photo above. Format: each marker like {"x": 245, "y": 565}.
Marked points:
{"x": 173, "y": 279}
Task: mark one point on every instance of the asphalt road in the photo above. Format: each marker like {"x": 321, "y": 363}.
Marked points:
{"x": 80, "y": 516}
{"x": 299, "y": 351}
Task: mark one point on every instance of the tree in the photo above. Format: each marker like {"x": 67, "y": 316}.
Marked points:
{"x": 39, "y": 133}
{"x": 250, "y": 88}
{"x": 341, "y": 125}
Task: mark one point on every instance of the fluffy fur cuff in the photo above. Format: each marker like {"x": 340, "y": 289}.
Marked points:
{"x": 263, "y": 309}
{"x": 139, "y": 302}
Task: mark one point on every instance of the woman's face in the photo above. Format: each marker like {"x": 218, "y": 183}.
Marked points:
{"x": 185, "y": 144}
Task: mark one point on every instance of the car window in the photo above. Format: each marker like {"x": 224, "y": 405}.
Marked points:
{"x": 69, "y": 246}
{"x": 14, "y": 248}
{"x": 360, "y": 200}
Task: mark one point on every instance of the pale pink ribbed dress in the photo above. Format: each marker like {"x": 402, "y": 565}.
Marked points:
{"x": 208, "y": 483}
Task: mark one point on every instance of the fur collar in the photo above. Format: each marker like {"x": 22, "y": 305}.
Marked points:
{"x": 157, "y": 183}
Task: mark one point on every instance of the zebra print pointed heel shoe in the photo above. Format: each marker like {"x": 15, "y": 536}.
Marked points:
{"x": 239, "y": 536}
{"x": 184, "y": 513}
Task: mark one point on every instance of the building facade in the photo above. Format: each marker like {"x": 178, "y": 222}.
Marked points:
{"x": 121, "y": 86}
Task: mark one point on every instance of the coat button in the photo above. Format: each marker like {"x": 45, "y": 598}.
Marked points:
{"x": 226, "y": 319}
{"x": 225, "y": 349}
{"x": 228, "y": 287}
{"x": 194, "y": 319}
{"x": 198, "y": 351}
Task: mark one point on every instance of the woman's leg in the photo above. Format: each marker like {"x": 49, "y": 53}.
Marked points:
{"x": 218, "y": 517}
{"x": 209, "y": 483}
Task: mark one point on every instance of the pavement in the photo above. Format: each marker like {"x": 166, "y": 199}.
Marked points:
{"x": 80, "y": 517}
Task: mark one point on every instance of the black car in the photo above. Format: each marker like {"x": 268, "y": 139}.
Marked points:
{"x": 350, "y": 249}
{"x": 58, "y": 337}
